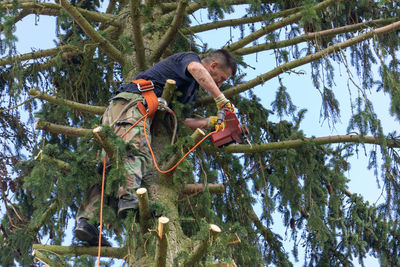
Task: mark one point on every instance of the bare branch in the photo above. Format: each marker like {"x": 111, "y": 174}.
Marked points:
{"x": 162, "y": 244}
{"x": 168, "y": 91}
{"x": 111, "y": 6}
{"x": 236, "y": 22}
{"x": 106, "y": 46}
{"x": 299, "y": 142}
{"x": 191, "y": 189}
{"x": 277, "y": 25}
{"x": 53, "y": 61}
{"x": 137, "y": 35}
{"x": 50, "y": 9}
{"x": 39, "y": 54}
{"x": 118, "y": 253}
{"x": 71, "y": 104}
{"x": 313, "y": 36}
{"x": 301, "y": 61}
{"x": 194, "y": 6}
{"x": 144, "y": 213}
{"x": 171, "y": 32}
{"x": 61, "y": 129}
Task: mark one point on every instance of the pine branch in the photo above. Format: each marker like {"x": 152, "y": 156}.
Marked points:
{"x": 78, "y": 132}
{"x": 118, "y": 253}
{"x": 106, "y": 143}
{"x": 39, "y": 54}
{"x": 50, "y": 9}
{"x": 35, "y": 226}
{"x": 196, "y": 136}
{"x": 162, "y": 244}
{"x": 47, "y": 65}
{"x": 268, "y": 236}
{"x": 313, "y": 36}
{"x": 45, "y": 259}
{"x": 301, "y": 61}
{"x": 137, "y": 35}
{"x": 17, "y": 18}
{"x": 6, "y": 2}
{"x": 65, "y": 166}
{"x": 236, "y": 22}
{"x": 18, "y": 105}
{"x": 277, "y": 25}
{"x": 191, "y": 189}
{"x": 104, "y": 44}
{"x": 300, "y": 142}
{"x": 99, "y": 110}
{"x": 202, "y": 248}
{"x": 38, "y": 67}
{"x": 102, "y": 139}
{"x": 171, "y": 32}
{"x": 85, "y": 68}
{"x": 54, "y": 60}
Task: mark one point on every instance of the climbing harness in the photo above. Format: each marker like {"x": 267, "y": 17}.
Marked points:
{"x": 146, "y": 88}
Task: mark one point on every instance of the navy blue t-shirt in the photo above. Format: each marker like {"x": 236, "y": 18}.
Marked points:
{"x": 174, "y": 67}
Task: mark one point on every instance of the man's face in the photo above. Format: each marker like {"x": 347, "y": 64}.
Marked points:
{"x": 219, "y": 74}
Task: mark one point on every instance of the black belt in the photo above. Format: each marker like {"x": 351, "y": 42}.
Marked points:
{"x": 130, "y": 88}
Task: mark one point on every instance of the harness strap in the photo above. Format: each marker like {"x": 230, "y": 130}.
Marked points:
{"x": 146, "y": 89}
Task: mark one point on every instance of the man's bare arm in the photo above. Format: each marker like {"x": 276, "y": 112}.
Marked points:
{"x": 196, "y": 123}
{"x": 203, "y": 77}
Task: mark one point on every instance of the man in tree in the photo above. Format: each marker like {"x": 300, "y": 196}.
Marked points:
{"x": 189, "y": 72}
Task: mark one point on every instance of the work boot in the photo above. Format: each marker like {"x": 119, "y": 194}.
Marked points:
{"x": 127, "y": 202}
{"x": 85, "y": 231}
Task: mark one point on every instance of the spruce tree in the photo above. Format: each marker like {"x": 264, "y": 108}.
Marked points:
{"x": 205, "y": 207}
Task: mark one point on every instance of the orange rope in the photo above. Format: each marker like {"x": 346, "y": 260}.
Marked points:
{"x": 179, "y": 162}
{"x": 133, "y": 125}
{"x": 101, "y": 209}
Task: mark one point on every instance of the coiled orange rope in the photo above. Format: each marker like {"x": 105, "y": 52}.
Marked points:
{"x": 180, "y": 161}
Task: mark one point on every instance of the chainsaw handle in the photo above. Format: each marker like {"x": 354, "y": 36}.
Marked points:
{"x": 220, "y": 116}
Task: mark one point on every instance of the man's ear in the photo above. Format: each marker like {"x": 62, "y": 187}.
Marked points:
{"x": 214, "y": 64}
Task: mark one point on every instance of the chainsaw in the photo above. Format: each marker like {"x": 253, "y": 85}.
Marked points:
{"x": 233, "y": 132}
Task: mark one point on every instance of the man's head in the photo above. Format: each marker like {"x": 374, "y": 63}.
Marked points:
{"x": 220, "y": 64}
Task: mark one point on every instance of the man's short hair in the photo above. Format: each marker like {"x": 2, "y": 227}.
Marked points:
{"x": 224, "y": 57}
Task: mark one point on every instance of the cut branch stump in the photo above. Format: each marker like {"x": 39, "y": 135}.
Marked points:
{"x": 144, "y": 212}
{"x": 162, "y": 245}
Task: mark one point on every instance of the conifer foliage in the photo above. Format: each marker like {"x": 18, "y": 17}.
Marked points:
{"x": 206, "y": 207}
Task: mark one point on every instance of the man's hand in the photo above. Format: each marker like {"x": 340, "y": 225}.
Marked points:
{"x": 204, "y": 123}
{"x": 212, "y": 122}
{"x": 222, "y": 102}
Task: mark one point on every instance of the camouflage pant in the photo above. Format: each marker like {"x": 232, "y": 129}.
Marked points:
{"x": 120, "y": 115}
